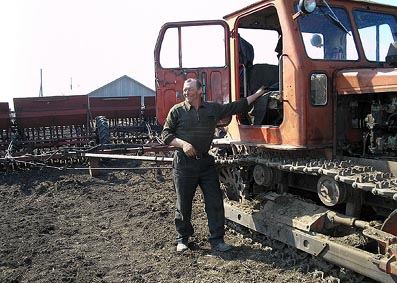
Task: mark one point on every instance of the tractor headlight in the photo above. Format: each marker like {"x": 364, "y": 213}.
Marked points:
{"x": 307, "y": 6}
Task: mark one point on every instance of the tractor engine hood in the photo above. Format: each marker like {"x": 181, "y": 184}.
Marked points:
{"x": 358, "y": 81}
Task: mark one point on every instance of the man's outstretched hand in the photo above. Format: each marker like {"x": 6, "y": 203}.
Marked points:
{"x": 262, "y": 90}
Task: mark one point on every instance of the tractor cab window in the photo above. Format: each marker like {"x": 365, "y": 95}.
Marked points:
{"x": 193, "y": 55}
{"x": 260, "y": 49}
{"x": 328, "y": 36}
{"x": 376, "y": 32}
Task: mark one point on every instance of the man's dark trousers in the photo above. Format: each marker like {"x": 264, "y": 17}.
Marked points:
{"x": 190, "y": 172}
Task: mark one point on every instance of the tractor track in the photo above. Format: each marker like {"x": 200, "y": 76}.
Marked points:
{"x": 288, "y": 257}
{"x": 361, "y": 177}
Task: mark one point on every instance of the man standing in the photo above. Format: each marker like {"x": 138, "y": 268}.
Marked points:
{"x": 190, "y": 127}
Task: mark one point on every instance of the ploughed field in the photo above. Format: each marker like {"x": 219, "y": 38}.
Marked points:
{"x": 66, "y": 226}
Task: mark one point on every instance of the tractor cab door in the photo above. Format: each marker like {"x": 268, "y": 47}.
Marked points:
{"x": 191, "y": 50}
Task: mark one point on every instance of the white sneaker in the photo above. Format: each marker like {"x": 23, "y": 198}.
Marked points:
{"x": 181, "y": 247}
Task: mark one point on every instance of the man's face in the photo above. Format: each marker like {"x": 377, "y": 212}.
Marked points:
{"x": 191, "y": 93}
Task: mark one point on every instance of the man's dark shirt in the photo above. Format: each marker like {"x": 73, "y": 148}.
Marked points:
{"x": 198, "y": 127}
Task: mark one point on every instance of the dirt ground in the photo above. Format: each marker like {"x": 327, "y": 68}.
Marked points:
{"x": 66, "y": 226}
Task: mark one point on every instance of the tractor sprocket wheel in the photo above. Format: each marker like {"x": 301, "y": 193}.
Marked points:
{"x": 231, "y": 183}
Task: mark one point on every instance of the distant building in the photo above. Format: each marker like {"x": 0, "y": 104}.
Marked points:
{"x": 123, "y": 86}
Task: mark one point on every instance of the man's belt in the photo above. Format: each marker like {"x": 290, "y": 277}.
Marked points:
{"x": 200, "y": 155}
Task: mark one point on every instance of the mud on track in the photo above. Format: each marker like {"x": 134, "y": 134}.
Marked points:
{"x": 65, "y": 226}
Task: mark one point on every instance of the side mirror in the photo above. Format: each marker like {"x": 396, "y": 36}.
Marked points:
{"x": 316, "y": 40}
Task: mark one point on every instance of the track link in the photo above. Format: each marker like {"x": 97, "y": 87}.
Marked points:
{"x": 365, "y": 178}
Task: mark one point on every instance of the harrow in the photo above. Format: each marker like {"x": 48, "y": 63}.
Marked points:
{"x": 60, "y": 130}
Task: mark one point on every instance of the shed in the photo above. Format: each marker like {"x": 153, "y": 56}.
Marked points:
{"x": 121, "y": 87}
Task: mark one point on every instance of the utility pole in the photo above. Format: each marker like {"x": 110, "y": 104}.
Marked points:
{"x": 41, "y": 83}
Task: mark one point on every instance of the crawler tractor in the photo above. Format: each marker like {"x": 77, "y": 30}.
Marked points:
{"x": 313, "y": 163}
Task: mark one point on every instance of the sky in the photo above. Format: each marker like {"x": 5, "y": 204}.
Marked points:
{"x": 81, "y": 45}
{"x": 87, "y": 43}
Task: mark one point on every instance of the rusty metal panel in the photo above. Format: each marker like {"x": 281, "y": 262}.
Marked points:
{"x": 33, "y": 112}
{"x": 358, "y": 81}
{"x": 116, "y": 107}
{"x": 150, "y": 106}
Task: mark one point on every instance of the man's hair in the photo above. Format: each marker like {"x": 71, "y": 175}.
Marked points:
{"x": 198, "y": 83}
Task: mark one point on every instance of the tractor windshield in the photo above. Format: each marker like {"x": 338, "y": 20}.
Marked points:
{"x": 324, "y": 38}
{"x": 377, "y": 31}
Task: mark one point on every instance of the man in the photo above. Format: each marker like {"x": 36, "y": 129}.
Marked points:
{"x": 190, "y": 127}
